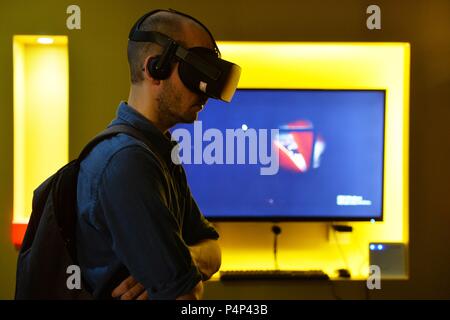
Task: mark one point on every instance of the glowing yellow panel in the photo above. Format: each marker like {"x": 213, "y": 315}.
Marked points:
{"x": 334, "y": 65}
{"x": 41, "y": 106}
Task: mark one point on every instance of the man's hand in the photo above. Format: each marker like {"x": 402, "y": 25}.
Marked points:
{"x": 130, "y": 289}
{"x": 207, "y": 257}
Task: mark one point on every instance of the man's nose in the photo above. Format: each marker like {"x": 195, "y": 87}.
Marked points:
{"x": 203, "y": 99}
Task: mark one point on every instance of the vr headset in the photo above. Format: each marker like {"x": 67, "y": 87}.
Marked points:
{"x": 201, "y": 69}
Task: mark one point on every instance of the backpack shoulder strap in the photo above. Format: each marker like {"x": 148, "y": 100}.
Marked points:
{"x": 114, "y": 130}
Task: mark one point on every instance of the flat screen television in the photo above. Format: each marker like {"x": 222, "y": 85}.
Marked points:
{"x": 326, "y": 151}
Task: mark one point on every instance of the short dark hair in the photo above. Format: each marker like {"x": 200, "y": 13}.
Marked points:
{"x": 167, "y": 23}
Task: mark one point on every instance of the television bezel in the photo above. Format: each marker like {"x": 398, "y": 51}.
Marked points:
{"x": 322, "y": 218}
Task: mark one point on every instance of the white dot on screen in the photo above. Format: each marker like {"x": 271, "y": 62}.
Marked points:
{"x": 244, "y": 127}
{"x": 372, "y": 247}
{"x": 380, "y": 247}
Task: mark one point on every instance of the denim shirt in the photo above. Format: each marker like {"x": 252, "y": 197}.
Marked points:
{"x": 137, "y": 212}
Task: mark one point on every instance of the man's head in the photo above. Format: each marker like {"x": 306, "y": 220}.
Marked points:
{"x": 171, "y": 100}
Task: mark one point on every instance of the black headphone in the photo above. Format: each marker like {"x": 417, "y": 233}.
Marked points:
{"x": 160, "y": 66}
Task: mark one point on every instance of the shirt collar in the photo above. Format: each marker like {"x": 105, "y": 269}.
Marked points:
{"x": 130, "y": 116}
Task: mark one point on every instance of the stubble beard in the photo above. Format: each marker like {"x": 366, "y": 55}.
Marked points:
{"x": 169, "y": 104}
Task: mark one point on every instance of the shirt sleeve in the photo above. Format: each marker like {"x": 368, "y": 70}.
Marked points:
{"x": 195, "y": 226}
{"x": 145, "y": 235}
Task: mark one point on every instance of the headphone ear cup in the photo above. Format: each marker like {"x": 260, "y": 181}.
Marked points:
{"x": 158, "y": 73}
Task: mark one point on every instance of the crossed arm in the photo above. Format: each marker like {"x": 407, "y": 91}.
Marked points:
{"x": 206, "y": 255}
{"x": 143, "y": 209}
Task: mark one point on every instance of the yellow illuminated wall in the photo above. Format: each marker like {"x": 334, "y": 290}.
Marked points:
{"x": 41, "y": 108}
{"x": 307, "y": 245}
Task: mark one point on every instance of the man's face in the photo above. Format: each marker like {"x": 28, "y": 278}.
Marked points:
{"x": 177, "y": 104}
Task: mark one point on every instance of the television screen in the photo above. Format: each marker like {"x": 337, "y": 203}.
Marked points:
{"x": 287, "y": 155}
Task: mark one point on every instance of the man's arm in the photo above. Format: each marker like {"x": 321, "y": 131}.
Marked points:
{"x": 200, "y": 236}
{"x": 130, "y": 289}
{"x": 207, "y": 256}
{"x": 204, "y": 252}
{"x": 145, "y": 234}
{"x": 195, "y": 294}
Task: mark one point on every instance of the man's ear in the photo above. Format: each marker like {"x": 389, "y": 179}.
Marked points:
{"x": 147, "y": 74}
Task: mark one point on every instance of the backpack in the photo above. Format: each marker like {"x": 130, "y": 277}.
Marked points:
{"x": 49, "y": 245}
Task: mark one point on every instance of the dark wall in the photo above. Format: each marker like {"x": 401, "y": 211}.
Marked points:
{"x": 99, "y": 80}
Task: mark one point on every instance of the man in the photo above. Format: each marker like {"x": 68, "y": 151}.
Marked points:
{"x": 134, "y": 212}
